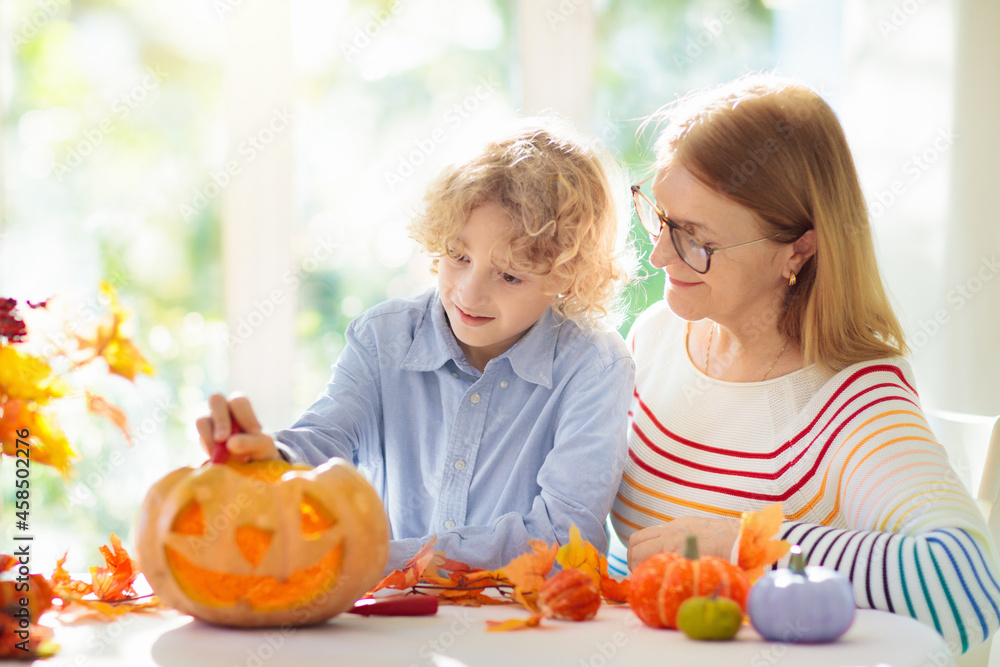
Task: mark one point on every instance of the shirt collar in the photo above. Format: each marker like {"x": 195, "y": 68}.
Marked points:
{"x": 434, "y": 345}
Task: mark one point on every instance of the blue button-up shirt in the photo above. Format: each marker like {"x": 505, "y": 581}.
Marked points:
{"x": 485, "y": 461}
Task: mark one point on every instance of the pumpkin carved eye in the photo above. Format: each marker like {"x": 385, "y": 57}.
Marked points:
{"x": 316, "y": 519}
{"x": 190, "y": 520}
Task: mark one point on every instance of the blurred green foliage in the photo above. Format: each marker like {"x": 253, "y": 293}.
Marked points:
{"x": 116, "y": 119}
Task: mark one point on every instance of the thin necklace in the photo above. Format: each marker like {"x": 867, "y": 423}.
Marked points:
{"x": 708, "y": 349}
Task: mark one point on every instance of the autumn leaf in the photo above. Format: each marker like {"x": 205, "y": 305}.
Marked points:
{"x": 411, "y": 573}
{"x": 579, "y": 555}
{"x": 39, "y": 595}
{"x": 65, "y": 586}
{"x": 527, "y": 572}
{"x": 47, "y": 443}
{"x": 111, "y": 585}
{"x": 28, "y": 378}
{"x": 39, "y": 642}
{"x": 7, "y": 562}
{"x": 757, "y": 547}
{"x": 515, "y": 623}
{"x": 99, "y": 406}
{"x": 612, "y": 590}
{"x": 114, "y": 582}
{"x": 108, "y": 341}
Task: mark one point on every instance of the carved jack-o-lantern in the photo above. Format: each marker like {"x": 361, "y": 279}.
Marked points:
{"x": 263, "y": 543}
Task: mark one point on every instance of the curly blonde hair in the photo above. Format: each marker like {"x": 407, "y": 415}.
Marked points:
{"x": 566, "y": 222}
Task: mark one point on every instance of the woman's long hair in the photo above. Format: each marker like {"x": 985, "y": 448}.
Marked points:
{"x": 776, "y": 148}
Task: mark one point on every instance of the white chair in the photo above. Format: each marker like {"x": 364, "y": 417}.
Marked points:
{"x": 973, "y": 446}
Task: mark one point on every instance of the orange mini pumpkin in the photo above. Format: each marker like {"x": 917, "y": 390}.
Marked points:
{"x": 662, "y": 582}
{"x": 263, "y": 543}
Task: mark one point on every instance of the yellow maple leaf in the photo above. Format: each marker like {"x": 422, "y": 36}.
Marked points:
{"x": 757, "y": 548}
{"x": 108, "y": 341}
{"x": 26, "y": 377}
{"x": 47, "y": 444}
{"x": 579, "y": 555}
{"x": 527, "y": 572}
{"x": 514, "y": 623}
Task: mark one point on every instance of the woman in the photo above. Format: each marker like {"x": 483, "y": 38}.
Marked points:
{"x": 773, "y": 371}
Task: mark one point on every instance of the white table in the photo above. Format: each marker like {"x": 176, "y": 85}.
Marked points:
{"x": 456, "y": 636}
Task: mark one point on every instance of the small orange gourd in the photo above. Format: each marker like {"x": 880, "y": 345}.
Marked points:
{"x": 662, "y": 582}
{"x": 570, "y": 595}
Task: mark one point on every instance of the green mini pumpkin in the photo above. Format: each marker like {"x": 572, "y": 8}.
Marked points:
{"x": 712, "y": 618}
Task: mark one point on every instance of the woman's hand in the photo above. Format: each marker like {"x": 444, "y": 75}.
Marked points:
{"x": 250, "y": 444}
{"x": 716, "y": 537}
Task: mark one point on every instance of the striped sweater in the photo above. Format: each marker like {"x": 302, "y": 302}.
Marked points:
{"x": 864, "y": 486}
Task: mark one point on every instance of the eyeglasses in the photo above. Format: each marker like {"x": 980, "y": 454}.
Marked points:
{"x": 692, "y": 252}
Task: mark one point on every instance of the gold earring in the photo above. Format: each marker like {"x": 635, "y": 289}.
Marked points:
{"x": 791, "y": 279}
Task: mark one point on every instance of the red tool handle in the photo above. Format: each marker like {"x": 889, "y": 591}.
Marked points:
{"x": 396, "y": 605}
{"x": 221, "y": 453}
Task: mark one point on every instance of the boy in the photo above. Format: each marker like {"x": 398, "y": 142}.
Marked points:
{"x": 490, "y": 410}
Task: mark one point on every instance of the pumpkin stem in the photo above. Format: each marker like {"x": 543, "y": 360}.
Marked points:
{"x": 797, "y": 562}
{"x": 691, "y": 547}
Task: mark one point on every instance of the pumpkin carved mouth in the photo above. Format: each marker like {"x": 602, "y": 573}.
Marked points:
{"x": 262, "y": 543}
{"x": 260, "y": 592}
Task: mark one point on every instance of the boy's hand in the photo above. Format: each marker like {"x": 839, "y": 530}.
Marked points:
{"x": 223, "y": 425}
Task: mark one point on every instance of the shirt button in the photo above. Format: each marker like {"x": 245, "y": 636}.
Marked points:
{"x": 449, "y": 524}
{"x": 460, "y": 465}
{"x": 503, "y": 384}
{"x": 454, "y": 374}
{"x": 474, "y": 398}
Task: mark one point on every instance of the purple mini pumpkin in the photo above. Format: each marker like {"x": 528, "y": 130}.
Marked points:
{"x": 801, "y": 604}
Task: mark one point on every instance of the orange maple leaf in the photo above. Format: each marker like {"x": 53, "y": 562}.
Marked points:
{"x": 99, "y": 406}
{"x": 47, "y": 444}
{"x": 114, "y": 582}
{"x": 612, "y": 590}
{"x": 527, "y": 572}
{"x": 39, "y": 643}
{"x": 412, "y": 572}
{"x": 757, "y": 547}
{"x": 111, "y": 585}
{"x": 66, "y": 587}
{"x": 38, "y": 594}
{"x": 7, "y": 562}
